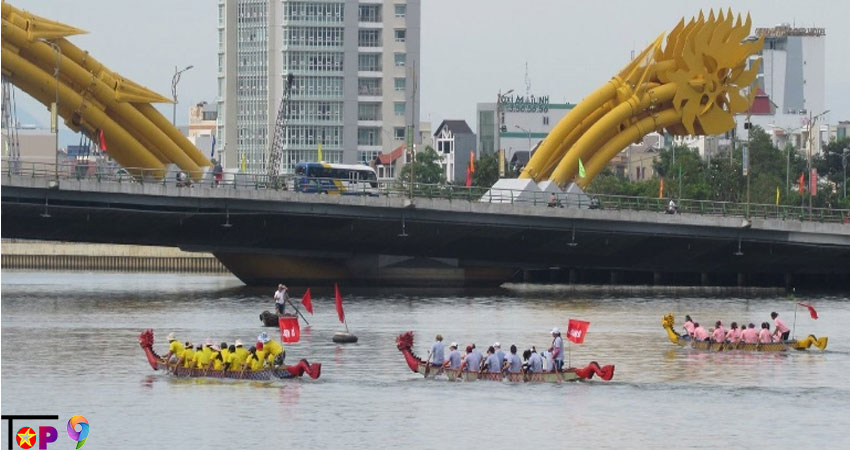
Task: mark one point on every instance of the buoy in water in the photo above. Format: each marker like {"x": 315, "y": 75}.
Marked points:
{"x": 344, "y": 338}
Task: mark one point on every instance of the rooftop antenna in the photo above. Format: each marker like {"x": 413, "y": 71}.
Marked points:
{"x": 527, "y": 82}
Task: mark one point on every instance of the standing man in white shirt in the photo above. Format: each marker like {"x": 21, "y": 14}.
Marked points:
{"x": 281, "y": 295}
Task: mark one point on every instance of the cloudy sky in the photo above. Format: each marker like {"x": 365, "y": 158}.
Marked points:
{"x": 470, "y": 48}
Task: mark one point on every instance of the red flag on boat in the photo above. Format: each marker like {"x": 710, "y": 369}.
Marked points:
{"x": 307, "y": 301}
{"x": 289, "y": 329}
{"x": 802, "y": 182}
{"x": 339, "y": 310}
{"x": 102, "y": 139}
{"x": 576, "y": 330}
{"x": 812, "y": 311}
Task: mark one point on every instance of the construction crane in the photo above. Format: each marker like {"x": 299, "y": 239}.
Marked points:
{"x": 279, "y": 139}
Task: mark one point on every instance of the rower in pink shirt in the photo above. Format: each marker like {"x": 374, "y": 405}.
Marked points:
{"x": 719, "y": 334}
{"x": 764, "y": 334}
{"x": 689, "y": 326}
{"x": 781, "y": 331}
{"x": 750, "y": 335}
{"x": 733, "y": 335}
{"x": 699, "y": 333}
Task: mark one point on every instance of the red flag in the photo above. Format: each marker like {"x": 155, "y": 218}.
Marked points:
{"x": 802, "y": 181}
{"x": 813, "y": 181}
{"x": 472, "y": 161}
{"x": 289, "y": 329}
{"x": 576, "y": 330}
{"x": 102, "y": 139}
{"x": 812, "y": 311}
{"x": 307, "y": 301}
{"x": 661, "y": 188}
{"x": 468, "y": 177}
{"x": 339, "y": 310}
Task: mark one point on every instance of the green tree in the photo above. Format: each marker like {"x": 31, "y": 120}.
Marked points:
{"x": 486, "y": 170}
{"x": 426, "y": 168}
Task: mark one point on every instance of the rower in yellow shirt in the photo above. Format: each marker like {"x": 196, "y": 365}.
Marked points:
{"x": 202, "y": 358}
{"x": 175, "y": 349}
{"x": 224, "y": 351}
{"x": 241, "y": 352}
{"x": 254, "y": 361}
{"x": 272, "y": 348}
{"x": 233, "y": 363}
{"x": 186, "y": 357}
{"x": 216, "y": 362}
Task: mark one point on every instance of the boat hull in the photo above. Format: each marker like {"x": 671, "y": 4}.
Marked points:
{"x": 794, "y": 344}
{"x": 404, "y": 343}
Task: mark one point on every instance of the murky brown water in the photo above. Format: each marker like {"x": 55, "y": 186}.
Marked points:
{"x": 69, "y": 347}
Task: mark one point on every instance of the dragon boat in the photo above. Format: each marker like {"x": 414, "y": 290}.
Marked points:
{"x": 156, "y": 361}
{"x": 404, "y": 343}
{"x": 269, "y": 319}
{"x": 668, "y": 322}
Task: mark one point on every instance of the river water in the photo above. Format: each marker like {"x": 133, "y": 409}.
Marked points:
{"x": 69, "y": 346}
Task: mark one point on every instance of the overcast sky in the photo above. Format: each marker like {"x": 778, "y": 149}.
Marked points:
{"x": 470, "y": 48}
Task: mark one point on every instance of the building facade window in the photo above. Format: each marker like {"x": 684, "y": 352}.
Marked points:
{"x": 400, "y": 84}
{"x": 367, "y": 156}
{"x": 400, "y": 59}
{"x": 369, "y": 86}
{"x": 400, "y": 35}
{"x": 323, "y": 37}
{"x": 313, "y": 61}
{"x": 314, "y": 12}
{"x": 400, "y": 11}
{"x": 369, "y": 13}
{"x": 369, "y": 38}
{"x": 369, "y": 136}
{"x": 313, "y": 111}
{"x": 399, "y": 133}
{"x": 399, "y": 108}
{"x": 368, "y": 111}
{"x": 369, "y": 62}
{"x": 316, "y": 86}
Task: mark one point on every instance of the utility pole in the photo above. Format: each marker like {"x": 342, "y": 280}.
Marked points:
{"x": 174, "y": 80}
{"x": 812, "y": 121}
{"x": 748, "y": 126}
{"x": 54, "y": 110}
{"x": 411, "y": 140}
{"x": 844, "y": 156}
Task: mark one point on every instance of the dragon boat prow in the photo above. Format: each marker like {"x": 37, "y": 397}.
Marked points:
{"x": 313, "y": 370}
{"x": 404, "y": 343}
{"x": 668, "y": 323}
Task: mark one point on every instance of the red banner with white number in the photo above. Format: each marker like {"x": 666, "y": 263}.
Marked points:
{"x": 290, "y": 331}
{"x": 576, "y": 330}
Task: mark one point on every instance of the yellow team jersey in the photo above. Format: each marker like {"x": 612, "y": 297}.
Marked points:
{"x": 208, "y": 351}
{"x": 242, "y": 354}
{"x": 254, "y": 363}
{"x": 202, "y": 359}
{"x": 217, "y": 363}
{"x": 224, "y": 354}
{"x": 261, "y": 354}
{"x": 272, "y": 348}
{"x": 234, "y": 362}
{"x": 176, "y": 348}
{"x": 188, "y": 358}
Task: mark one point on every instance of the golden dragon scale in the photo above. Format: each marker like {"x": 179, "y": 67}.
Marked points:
{"x": 691, "y": 84}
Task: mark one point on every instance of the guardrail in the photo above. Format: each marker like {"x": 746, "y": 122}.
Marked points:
{"x": 400, "y": 189}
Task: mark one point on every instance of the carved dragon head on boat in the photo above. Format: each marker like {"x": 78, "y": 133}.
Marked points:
{"x": 404, "y": 342}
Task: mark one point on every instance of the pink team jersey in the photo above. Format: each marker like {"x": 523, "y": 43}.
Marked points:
{"x": 700, "y": 334}
{"x": 719, "y": 334}
{"x": 750, "y": 336}
{"x": 764, "y": 336}
{"x": 780, "y": 326}
{"x": 689, "y": 327}
{"x": 733, "y": 336}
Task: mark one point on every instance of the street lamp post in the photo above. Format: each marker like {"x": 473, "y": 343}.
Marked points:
{"x": 812, "y": 120}
{"x": 499, "y": 124}
{"x": 174, "y": 80}
{"x": 844, "y": 156}
{"x": 54, "y": 113}
{"x": 527, "y": 133}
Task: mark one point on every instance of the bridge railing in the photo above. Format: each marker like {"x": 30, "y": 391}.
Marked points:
{"x": 107, "y": 174}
